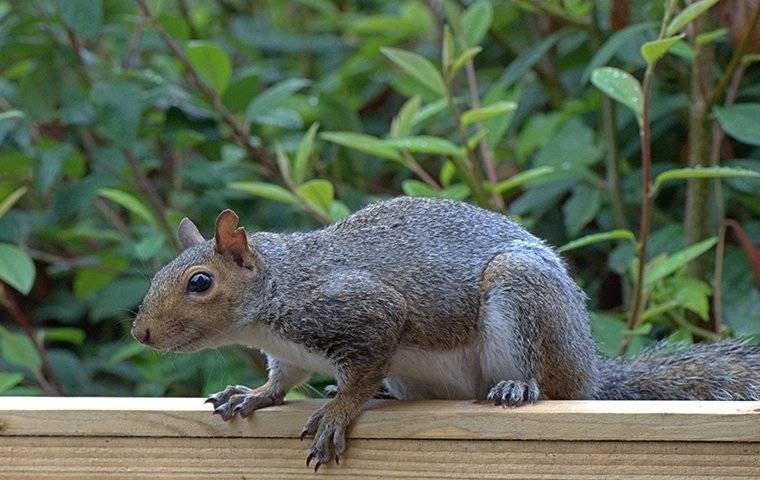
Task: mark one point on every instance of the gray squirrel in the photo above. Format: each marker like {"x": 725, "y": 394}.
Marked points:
{"x": 435, "y": 299}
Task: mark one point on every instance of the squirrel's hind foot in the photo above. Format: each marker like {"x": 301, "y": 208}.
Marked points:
{"x": 511, "y": 393}
{"x": 237, "y": 399}
{"x": 329, "y": 431}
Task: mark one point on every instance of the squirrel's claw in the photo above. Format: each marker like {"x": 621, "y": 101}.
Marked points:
{"x": 242, "y": 400}
{"x": 511, "y": 393}
{"x": 329, "y": 439}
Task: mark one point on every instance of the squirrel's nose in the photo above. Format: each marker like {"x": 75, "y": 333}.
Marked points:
{"x": 141, "y": 334}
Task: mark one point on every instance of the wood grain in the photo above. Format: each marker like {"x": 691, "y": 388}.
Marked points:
{"x": 178, "y": 438}
{"x": 88, "y": 458}
{"x": 439, "y": 420}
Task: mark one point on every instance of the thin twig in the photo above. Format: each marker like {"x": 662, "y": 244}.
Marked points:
{"x": 646, "y": 206}
{"x": 156, "y": 202}
{"x": 608, "y": 127}
{"x": 239, "y": 131}
{"x": 558, "y": 13}
{"x": 485, "y": 151}
{"x": 736, "y": 58}
{"x": 417, "y": 169}
{"x": 46, "y": 377}
{"x": 717, "y": 281}
{"x": 645, "y": 222}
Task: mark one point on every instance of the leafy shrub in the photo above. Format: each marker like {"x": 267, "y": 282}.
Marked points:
{"x": 118, "y": 117}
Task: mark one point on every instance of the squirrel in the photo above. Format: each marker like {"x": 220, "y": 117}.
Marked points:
{"x": 435, "y": 299}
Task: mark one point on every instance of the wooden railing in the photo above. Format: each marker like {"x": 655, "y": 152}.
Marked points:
{"x": 176, "y": 438}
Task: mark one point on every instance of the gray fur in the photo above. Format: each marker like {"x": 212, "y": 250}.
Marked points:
{"x": 727, "y": 370}
{"x": 440, "y": 298}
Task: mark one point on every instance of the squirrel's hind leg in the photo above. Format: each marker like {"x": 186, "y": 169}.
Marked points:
{"x": 536, "y": 340}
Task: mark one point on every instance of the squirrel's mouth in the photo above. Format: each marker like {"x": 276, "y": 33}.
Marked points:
{"x": 183, "y": 346}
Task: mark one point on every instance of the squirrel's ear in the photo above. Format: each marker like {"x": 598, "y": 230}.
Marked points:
{"x": 188, "y": 234}
{"x": 232, "y": 240}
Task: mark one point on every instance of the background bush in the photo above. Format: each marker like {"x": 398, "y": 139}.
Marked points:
{"x": 117, "y": 118}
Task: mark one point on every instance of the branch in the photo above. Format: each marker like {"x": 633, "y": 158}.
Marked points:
{"x": 485, "y": 151}
{"x": 46, "y": 376}
{"x": 146, "y": 188}
{"x": 646, "y": 206}
{"x": 239, "y": 131}
{"x": 736, "y": 58}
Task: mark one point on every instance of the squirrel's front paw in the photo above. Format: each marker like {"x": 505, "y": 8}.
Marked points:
{"x": 243, "y": 400}
{"x": 511, "y": 393}
{"x": 329, "y": 437}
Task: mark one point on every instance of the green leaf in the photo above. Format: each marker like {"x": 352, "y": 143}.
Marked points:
{"x": 740, "y": 121}
{"x": 614, "y": 44}
{"x": 476, "y": 21}
{"x": 691, "y": 294}
{"x": 520, "y": 179}
{"x": 597, "y": 238}
{"x": 581, "y": 208}
{"x": 448, "y": 169}
{"x": 149, "y": 246}
{"x": 608, "y": 332}
{"x": 264, "y": 103}
{"x": 11, "y": 114}
{"x": 688, "y": 14}
{"x": 458, "y": 191}
{"x": 16, "y": 268}
{"x": 712, "y": 36}
{"x": 211, "y": 62}
{"x": 677, "y": 260}
{"x": 457, "y": 64}
{"x": 319, "y": 193}
{"x": 418, "y": 67}
{"x": 283, "y": 161}
{"x": 338, "y": 211}
{"x": 17, "y": 349}
{"x": 706, "y": 172}
{"x": 269, "y": 191}
{"x": 304, "y": 153}
{"x": 71, "y": 335}
{"x": 482, "y": 114}
{"x": 130, "y": 202}
{"x": 403, "y": 122}
{"x": 84, "y": 16}
{"x": 116, "y": 298}
{"x": 654, "y": 50}
{"x": 363, "y": 143}
{"x": 126, "y": 352}
{"x": 9, "y": 201}
{"x": 573, "y": 147}
{"x": 620, "y": 86}
{"x": 415, "y": 188}
{"x": 118, "y": 110}
{"x": 426, "y": 144}
{"x": 526, "y": 60}
{"x": 9, "y": 380}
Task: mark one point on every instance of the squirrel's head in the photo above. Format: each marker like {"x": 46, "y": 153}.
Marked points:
{"x": 193, "y": 301}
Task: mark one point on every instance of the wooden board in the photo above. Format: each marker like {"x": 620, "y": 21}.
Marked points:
{"x": 107, "y": 438}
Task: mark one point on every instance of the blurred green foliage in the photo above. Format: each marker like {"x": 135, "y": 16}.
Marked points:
{"x": 115, "y": 122}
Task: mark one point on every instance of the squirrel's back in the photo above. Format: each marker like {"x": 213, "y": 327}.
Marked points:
{"x": 432, "y": 251}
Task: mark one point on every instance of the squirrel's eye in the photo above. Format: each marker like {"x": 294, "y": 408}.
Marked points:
{"x": 200, "y": 282}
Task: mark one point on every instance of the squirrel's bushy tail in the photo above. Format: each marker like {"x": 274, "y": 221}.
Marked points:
{"x": 727, "y": 370}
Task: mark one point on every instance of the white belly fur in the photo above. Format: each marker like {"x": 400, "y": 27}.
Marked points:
{"x": 464, "y": 373}
{"x": 271, "y": 343}
{"x": 424, "y": 374}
